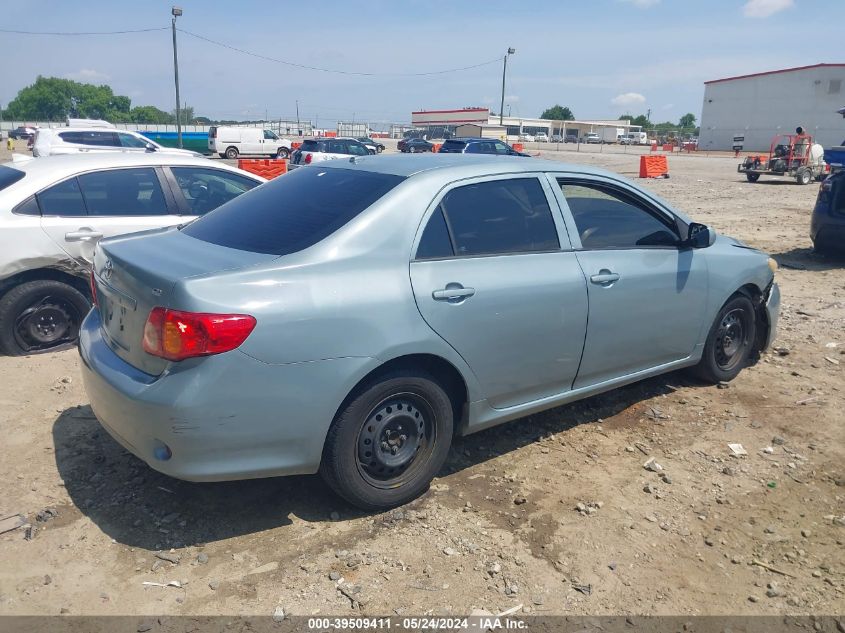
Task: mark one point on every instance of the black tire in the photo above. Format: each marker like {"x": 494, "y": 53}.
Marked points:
{"x": 231, "y": 153}
{"x": 222, "y": 155}
{"x": 804, "y": 177}
{"x": 752, "y": 177}
{"x": 407, "y": 418}
{"x": 283, "y": 152}
{"x": 38, "y": 316}
{"x": 730, "y": 341}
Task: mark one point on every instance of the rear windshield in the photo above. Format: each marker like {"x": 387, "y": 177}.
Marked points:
{"x": 452, "y": 146}
{"x": 292, "y": 212}
{"x": 9, "y": 176}
{"x": 311, "y": 146}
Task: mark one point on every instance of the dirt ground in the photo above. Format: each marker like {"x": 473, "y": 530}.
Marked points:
{"x": 553, "y": 512}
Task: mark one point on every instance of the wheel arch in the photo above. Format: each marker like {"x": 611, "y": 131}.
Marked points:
{"x": 447, "y": 375}
{"x": 41, "y": 274}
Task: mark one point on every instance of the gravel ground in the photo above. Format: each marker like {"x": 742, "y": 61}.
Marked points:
{"x": 554, "y": 512}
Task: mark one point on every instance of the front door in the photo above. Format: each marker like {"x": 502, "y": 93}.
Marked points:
{"x": 495, "y": 277}
{"x": 647, "y": 295}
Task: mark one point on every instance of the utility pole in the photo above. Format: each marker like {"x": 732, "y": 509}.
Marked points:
{"x": 298, "y": 126}
{"x": 176, "y": 12}
{"x": 511, "y": 51}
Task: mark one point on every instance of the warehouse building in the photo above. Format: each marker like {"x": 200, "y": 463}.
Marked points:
{"x": 436, "y": 122}
{"x": 754, "y": 108}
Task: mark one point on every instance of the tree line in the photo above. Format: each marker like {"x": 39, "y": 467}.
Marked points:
{"x": 57, "y": 99}
{"x": 687, "y": 122}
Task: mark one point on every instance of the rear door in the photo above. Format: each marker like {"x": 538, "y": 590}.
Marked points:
{"x": 647, "y": 294}
{"x": 77, "y": 212}
{"x": 494, "y": 275}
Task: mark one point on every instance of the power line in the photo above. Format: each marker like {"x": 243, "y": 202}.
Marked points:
{"x": 163, "y": 28}
{"x": 330, "y": 70}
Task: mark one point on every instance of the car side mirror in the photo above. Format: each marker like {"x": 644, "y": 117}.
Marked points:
{"x": 699, "y": 236}
{"x": 150, "y": 147}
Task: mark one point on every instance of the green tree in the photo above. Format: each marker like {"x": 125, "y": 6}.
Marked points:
{"x": 56, "y": 99}
{"x": 640, "y": 120}
{"x": 558, "y": 113}
{"x": 150, "y": 114}
{"x": 186, "y": 113}
{"x": 688, "y": 120}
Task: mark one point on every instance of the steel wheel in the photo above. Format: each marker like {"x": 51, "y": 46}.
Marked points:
{"x": 397, "y": 435}
{"x": 731, "y": 339}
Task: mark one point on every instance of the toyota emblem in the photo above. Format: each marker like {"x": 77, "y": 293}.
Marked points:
{"x": 107, "y": 269}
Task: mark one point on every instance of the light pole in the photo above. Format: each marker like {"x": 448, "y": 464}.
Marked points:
{"x": 511, "y": 51}
{"x": 176, "y": 11}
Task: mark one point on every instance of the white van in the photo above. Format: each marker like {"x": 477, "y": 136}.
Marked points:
{"x": 231, "y": 142}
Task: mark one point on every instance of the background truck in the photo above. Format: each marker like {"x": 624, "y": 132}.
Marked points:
{"x": 611, "y": 134}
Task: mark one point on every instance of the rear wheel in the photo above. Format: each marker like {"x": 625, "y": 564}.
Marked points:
{"x": 37, "y": 316}
{"x": 804, "y": 177}
{"x": 730, "y": 341}
{"x": 231, "y": 153}
{"x": 389, "y": 442}
{"x": 752, "y": 177}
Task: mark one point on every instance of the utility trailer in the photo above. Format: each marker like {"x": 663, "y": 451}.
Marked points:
{"x": 790, "y": 155}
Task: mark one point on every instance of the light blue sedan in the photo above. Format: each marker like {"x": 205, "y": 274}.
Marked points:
{"x": 352, "y": 316}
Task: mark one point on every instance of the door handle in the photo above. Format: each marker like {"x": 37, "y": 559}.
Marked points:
{"x": 604, "y": 277}
{"x": 453, "y": 292}
{"x": 82, "y": 235}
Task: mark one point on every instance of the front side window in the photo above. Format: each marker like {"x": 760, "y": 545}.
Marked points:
{"x": 292, "y": 213}
{"x": 269, "y": 136}
{"x": 501, "y": 148}
{"x": 128, "y": 140}
{"x": 608, "y": 218}
{"x": 500, "y": 216}
{"x": 206, "y": 189}
{"x": 132, "y": 192}
{"x": 63, "y": 199}
{"x": 356, "y": 149}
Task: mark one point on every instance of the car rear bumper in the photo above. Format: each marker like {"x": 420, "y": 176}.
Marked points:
{"x": 216, "y": 418}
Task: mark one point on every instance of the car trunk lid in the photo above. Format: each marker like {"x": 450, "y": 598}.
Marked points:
{"x": 135, "y": 273}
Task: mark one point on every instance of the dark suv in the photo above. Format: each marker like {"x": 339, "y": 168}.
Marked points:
{"x": 478, "y": 146}
{"x": 827, "y": 227}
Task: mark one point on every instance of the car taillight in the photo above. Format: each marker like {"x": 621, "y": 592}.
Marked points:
{"x": 93, "y": 281}
{"x": 308, "y": 159}
{"x": 177, "y": 335}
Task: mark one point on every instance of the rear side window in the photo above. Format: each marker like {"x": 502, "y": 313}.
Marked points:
{"x": 98, "y": 139}
{"x": 9, "y": 176}
{"x": 500, "y": 216}
{"x": 118, "y": 192}
{"x": 292, "y": 212}
{"x": 452, "y": 147}
{"x": 310, "y": 146}
{"x": 435, "y": 241}
{"x": 63, "y": 199}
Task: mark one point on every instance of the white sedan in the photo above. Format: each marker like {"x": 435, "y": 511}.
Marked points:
{"x": 54, "y": 210}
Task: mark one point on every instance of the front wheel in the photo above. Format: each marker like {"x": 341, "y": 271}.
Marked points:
{"x": 752, "y": 177}
{"x": 41, "y": 315}
{"x": 389, "y": 442}
{"x": 283, "y": 152}
{"x": 730, "y": 342}
{"x": 804, "y": 177}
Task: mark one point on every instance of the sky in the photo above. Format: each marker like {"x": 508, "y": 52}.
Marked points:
{"x": 601, "y": 58}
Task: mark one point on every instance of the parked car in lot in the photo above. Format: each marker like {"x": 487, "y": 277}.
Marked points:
{"x": 85, "y": 140}
{"x": 320, "y": 149}
{"x": 541, "y": 137}
{"x": 472, "y": 145}
{"x": 374, "y": 146}
{"x": 556, "y": 138}
{"x": 527, "y": 138}
{"x": 22, "y": 133}
{"x": 592, "y": 138}
{"x": 570, "y": 138}
{"x": 350, "y": 318}
{"x": 827, "y": 226}
{"x": 231, "y": 142}
{"x": 416, "y": 145}
{"x": 53, "y": 211}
